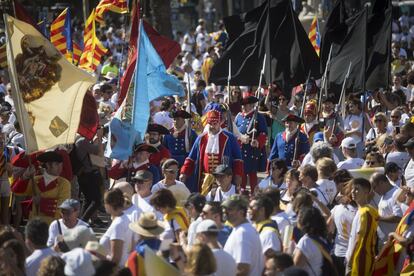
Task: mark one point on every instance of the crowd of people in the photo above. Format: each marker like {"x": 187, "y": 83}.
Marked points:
{"x": 252, "y": 181}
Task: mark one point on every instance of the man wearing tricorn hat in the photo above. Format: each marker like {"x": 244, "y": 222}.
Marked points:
{"x": 139, "y": 161}
{"x": 49, "y": 190}
{"x": 253, "y": 139}
{"x": 311, "y": 124}
{"x": 212, "y": 148}
{"x": 285, "y": 142}
{"x": 154, "y": 132}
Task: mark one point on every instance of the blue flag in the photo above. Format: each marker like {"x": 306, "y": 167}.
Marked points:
{"x": 151, "y": 81}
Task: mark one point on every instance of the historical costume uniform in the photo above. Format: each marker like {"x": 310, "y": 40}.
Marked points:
{"x": 157, "y": 158}
{"x": 311, "y": 124}
{"x": 209, "y": 151}
{"x": 254, "y": 159}
{"x": 175, "y": 141}
{"x": 127, "y": 169}
{"x": 285, "y": 143}
{"x": 334, "y": 121}
{"x": 51, "y": 189}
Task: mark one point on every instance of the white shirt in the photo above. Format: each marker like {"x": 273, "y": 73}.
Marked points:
{"x": 270, "y": 240}
{"x": 409, "y": 174}
{"x": 34, "y": 260}
{"x": 373, "y": 133}
{"x": 220, "y": 195}
{"x": 388, "y": 206}
{"x": 192, "y": 230}
{"x": 268, "y": 182}
{"x": 160, "y": 185}
{"x": 282, "y": 220}
{"x": 54, "y": 230}
{"x": 163, "y": 118}
{"x": 354, "y": 122}
{"x": 328, "y": 187}
{"x": 343, "y": 216}
{"x": 356, "y": 225}
{"x": 321, "y": 195}
{"x": 351, "y": 164}
{"x": 314, "y": 257}
{"x": 133, "y": 212}
{"x": 398, "y": 157}
{"x": 119, "y": 230}
{"x": 145, "y": 206}
{"x": 225, "y": 263}
{"x": 245, "y": 247}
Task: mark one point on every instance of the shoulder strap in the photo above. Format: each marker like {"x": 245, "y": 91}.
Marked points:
{"x": 322, "y": 194}
{"x": 59, "y": 227}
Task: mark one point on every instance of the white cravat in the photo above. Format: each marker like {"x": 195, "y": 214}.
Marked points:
{"x": 290, "y": 134}
{"x": 213, "y": 145}
{"x": 48, "y": 178}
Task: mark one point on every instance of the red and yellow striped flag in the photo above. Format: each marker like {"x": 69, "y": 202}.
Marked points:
{"x": 56, "y": 32}
{"x": 94, "y": 50}
{"x": 3, "y": 56}
{"x": 77, "y": 52}
{"x": 314, "y": 35}
{"x": 118, "y": 6}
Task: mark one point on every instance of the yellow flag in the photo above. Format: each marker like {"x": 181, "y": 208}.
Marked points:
{"x": 155, "y": 265}
{"x": 48, "y": 90}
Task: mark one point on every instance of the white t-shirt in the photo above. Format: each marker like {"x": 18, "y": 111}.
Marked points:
{"x": 270, "y": 240}
{"x": 354, "y": 122}
{"x": 351, "y": 164}
{"x": 245, "y": 247}
{"x": 373, "y": 133}
{"x": 313, "y": 255}
{"x": 321, "y": 195}
{"x": 133, "y": 212}
{"x": 398, "y": 157}
{"x": 119, "y": 230}
{"x": 282, "y": 220}
{"x": 33, "y": 261}
{"x": 225, "y": 263}
{"x": 409, "y": 174}
{"x": 145, "y": 206}
{"x": 328, "y": 187}
{"x": 160, "y": 185}
{"x": 192, "y": 230}
{"x": 54, "y": 230}
{"x": 220, "y": 195}
{"x": 353, "y": 236}
{"x": 343, "y": 216}
{"x": 268, "y": 182}
{"x": 388, "y": 206}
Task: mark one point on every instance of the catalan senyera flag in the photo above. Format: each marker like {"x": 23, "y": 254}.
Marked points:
{"x": 48, "y": 91}
{"x": 118, "y": 6}
{"x": 3, "y": 56}
{"x": 93, "y": 49}
{"x": 314, "y": 35}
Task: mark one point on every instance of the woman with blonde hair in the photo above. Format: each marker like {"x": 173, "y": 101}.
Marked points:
{"x": 380, "y": 121}
{"x": 199, "y": 260}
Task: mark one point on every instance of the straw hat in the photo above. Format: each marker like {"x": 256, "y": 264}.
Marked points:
{"x": 147, "y": 225}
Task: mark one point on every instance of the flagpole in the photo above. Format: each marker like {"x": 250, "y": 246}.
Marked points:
{"x": 187, "y": 141}
{"x": 229, "y": 119}
{"x": 269, "y": 56}
{"x": 324, "y": 85}
{"x": 19, "y": 105}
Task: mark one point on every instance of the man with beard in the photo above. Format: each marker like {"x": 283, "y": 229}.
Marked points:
{"x": 212, "y": 148}
{"x": 154, "y": 132}
{"x": 285, "y": 142}
{"x": 311, "y": 125}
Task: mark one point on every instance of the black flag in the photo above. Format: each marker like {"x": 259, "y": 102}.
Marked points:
{"x": 379, "y": 46}
{"x": 292, "y": 54}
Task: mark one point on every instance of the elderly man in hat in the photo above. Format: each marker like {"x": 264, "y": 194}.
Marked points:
{"x": 149, "y": 229}
{"x": 49, "y": 190}
{"x": 286, "y": 142}
{"x": 69, "y": 210}
{"x": 224, "y": 178}
{"x": 311, "y": 124}
{"x": 154, "y": 132}
{"x": 212, "y": 148}
{"x": 177, "y": 142}
{"x": 139, "y": 161}
{"x": 253, "y": 130}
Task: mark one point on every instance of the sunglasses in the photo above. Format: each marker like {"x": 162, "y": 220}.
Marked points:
{"x": 371, "y": 162}
{"x": 378, "y": 120}
{"x": 171, "y": 171}
{"x": 136, "y": 181}
{"x": 395, "y": 117}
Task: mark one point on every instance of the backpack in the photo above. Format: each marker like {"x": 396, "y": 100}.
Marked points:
{"x": 75, "y": 161}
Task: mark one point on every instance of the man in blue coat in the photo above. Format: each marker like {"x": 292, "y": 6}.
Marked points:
{"x": 252, "y": 127}
{"x": 285, "y": 142}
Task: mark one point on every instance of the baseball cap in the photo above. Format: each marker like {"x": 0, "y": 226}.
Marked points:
{"x": 207, "y": 225}
{"x": 318, "y": 137}
{"x": 223, "y": 170}
{"x": 235, "y": 201}
{"x": 143, "y": 175}
{"x": 70, "y": 203}
{"x": 348, "y": 143}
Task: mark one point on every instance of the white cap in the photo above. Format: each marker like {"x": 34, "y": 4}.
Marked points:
{"x": 207, "y": 225}
{"x": 348, "y": 143}
{"x": 96, "y": 87}
{"x": 78, "y": 262}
